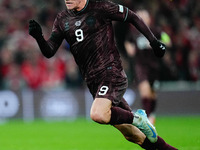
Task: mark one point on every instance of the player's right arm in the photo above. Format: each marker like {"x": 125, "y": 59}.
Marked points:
{"x": 49, "y": 47}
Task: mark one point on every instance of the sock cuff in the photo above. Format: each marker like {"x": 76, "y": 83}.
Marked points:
{"x": 120, "y": 116}
{"x": 148, "y": 145}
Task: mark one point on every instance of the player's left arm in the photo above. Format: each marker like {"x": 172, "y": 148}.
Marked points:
{"x": 158, "y": 47}
{"x": 121, "y": 13}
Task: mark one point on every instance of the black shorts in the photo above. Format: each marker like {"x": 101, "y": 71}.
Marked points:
{"x": 146, "y": 67}
{"x": 146, "y": 72}
{"x": 110, "y": 84}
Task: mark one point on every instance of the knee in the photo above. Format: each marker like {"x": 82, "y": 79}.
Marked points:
{"x": 101, "y": 110}
{"x": 100, "y": 117}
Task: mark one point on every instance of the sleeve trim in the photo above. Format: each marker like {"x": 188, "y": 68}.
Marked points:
{"x": 126, "y": 14}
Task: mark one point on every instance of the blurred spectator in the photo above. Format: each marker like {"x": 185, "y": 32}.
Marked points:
{"x": 33, "y": 69}
{"x": 194, "y": 56}
{"x": 54, "y": 74}
{"x": 9, "y": 70}
{"x": 181, "y": 49}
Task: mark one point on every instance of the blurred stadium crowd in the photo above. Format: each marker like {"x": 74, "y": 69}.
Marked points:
{"x": 22, "y": 65}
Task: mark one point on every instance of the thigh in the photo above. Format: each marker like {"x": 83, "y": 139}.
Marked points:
{"x": 101, "y": 105}
{"x": 145, "y": 89}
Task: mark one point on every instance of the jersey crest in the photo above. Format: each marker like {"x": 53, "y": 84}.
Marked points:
{"x": 90, "y": 21}
{"x": 78, "y": 23}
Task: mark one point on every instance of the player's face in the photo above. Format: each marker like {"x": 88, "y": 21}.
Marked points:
{"x": 74, "y": 4}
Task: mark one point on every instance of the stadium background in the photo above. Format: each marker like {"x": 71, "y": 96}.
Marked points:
{"x": 33, "y": 87}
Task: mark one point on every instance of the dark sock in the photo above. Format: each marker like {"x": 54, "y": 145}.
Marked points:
{"x": 120, "y": 116}
{"x": 159, "y": 145}
{"x": 162, "y": 145}
{"x": 148, "y": 145}
{"x": 149, "y": 105}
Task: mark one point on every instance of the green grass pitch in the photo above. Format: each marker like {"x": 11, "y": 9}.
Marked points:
{"x": 181, "y": 132}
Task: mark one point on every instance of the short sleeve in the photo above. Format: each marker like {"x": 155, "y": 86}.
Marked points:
{"x": 115, "y": 11}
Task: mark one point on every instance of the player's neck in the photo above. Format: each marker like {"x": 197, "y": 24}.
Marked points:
{"x": 81, "y": 5}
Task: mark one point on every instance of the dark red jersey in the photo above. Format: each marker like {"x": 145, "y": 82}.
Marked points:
{"x": 90, "y": 35}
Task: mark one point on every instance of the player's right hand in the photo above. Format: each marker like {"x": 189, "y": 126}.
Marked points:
{"x": 35, "y": 29}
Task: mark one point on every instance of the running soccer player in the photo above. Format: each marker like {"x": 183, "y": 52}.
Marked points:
{"x": 146, "y": 64}
{"x": 87, "y": 26}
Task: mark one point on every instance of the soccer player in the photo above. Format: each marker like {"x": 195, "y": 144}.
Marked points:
{"x": 87, "y": 26}
{"x": 146, "y": 63}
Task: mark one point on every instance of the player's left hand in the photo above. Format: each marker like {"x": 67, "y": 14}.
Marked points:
{"x": 158, "y": 48}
